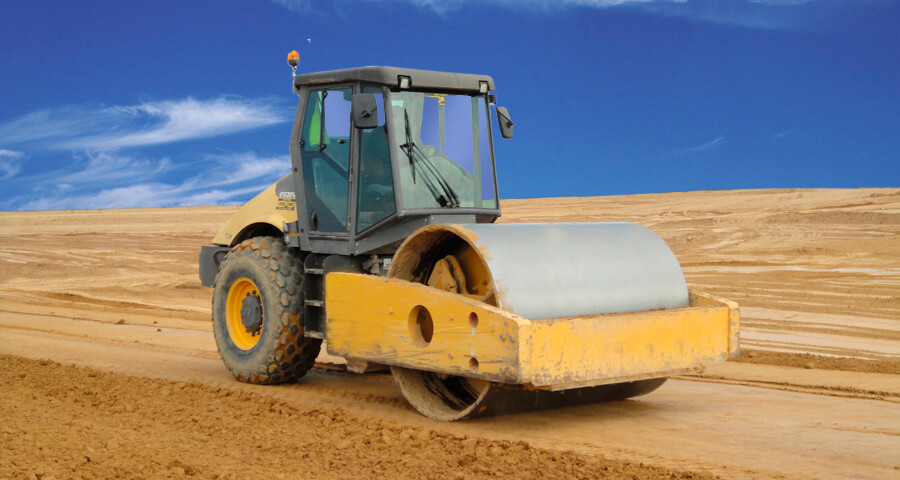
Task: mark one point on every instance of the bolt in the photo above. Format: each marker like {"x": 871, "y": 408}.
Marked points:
{"x": 502, "y": 337}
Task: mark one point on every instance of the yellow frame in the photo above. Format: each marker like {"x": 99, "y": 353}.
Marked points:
{"x": 375, "y": 319}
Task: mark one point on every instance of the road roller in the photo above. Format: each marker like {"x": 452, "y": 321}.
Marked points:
{"x": 381, "y": 244}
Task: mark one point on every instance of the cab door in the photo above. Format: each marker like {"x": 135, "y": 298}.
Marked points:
{"x": 325, "y": 158}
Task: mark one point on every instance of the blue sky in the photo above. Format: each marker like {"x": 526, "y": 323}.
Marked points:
{"x": 117, "y": 104}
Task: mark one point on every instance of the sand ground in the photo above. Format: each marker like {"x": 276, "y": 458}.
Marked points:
{"x": 815, "y": 393}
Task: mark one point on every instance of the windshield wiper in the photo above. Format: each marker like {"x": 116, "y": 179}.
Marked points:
{"x": 451, "y": 196}
{"x": 415, "y": 154}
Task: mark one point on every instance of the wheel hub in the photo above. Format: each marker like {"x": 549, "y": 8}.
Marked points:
{"x": 251, "y": 313}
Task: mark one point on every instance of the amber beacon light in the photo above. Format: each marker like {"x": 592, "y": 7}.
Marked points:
{"x": 293, "y": 61}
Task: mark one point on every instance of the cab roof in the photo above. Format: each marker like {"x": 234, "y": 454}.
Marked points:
{"x": 389, "y": 76}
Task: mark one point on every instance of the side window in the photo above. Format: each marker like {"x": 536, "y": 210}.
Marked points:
{"x": 376, "y": 184}
{"x": 326, "y": 158}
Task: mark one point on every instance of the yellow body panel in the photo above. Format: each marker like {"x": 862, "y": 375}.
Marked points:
{"x": 266, "y": 207}
{"x": 373, "y": 318}
{"x": 590, "y": 350}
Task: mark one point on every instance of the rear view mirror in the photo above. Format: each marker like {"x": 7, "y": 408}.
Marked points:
{"x": 364, "y": 110}
{"x": 506, "y": 125}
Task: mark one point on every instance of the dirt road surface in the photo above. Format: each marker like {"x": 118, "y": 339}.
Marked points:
{"x": 815, "y": 393}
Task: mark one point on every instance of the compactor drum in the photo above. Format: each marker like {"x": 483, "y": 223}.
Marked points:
{"x": 381, "y": 242}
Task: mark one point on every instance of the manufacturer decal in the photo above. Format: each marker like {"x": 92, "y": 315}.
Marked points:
{"x": 285, "y": 201}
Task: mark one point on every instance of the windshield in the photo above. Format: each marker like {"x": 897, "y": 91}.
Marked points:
{"x": 443, "y": 150}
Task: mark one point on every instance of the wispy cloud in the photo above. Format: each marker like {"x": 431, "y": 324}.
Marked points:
{"x": 239, "y": 168}
{"x": 106, "y": 180}
{"x": 766, "y": 14}
{"x": 149, "y": 123}
{"x": 106, "y": 168}
{"x": 780, "y": 135}
{"x": 144, "y": 195}
{"x": 10, "y": 163}
{"x": 444, "y": 6}
{"x": 758, "y": 14}
{"x": 703, "y": 147}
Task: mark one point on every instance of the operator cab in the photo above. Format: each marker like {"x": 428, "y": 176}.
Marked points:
{"x": 378, "y": 152}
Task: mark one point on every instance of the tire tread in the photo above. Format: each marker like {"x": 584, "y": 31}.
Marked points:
{"x": 292, "y": 355}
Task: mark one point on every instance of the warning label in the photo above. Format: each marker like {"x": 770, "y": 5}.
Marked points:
{"x": 285, "y": 204}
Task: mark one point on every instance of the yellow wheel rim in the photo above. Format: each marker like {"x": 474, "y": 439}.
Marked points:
{"x": 239, "y": 291}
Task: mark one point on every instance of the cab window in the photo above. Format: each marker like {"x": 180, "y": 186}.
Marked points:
{"x": 376, "y": 183}
{"x": 326, "y": 158}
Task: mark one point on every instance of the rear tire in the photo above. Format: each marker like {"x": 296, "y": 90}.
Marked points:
{"x": 257, "y": 313}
